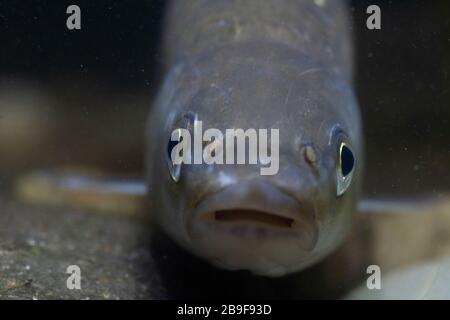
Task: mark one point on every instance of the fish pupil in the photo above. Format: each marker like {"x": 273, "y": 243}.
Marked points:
{"x": 170, "y": 147}
{"x": 347, "y": 161}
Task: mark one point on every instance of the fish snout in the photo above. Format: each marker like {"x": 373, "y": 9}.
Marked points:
{"x": 254, "y": 226}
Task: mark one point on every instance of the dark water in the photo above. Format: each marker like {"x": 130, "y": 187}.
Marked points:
{"x": 98, "y": 84}
{"x": 402, "y": 82}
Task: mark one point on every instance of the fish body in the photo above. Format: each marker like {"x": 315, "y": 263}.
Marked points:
{"x": 284, "y": 65}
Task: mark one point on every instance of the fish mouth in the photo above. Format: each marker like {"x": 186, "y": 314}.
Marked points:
{"x": 255, "y": 211}
{"x": 253, "y": 216}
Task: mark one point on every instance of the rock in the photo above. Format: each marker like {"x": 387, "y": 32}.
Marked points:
{"x": 38, "y": 244}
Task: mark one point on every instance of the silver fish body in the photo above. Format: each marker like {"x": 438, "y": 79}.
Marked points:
{"x": 283, "y": 65}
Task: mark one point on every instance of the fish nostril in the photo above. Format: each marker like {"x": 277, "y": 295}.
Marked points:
{"x": 310, "y": 154}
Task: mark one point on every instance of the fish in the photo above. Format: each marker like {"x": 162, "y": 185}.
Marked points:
{"x": 285, "y": 65}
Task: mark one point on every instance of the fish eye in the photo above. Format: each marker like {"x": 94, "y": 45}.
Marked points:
{"x": 345, "y": 167}
{"x": 174, "y": 169}
{"x": 185, "y": 122}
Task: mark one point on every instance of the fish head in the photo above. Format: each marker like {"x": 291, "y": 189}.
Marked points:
{"x": 231, "y": 214}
